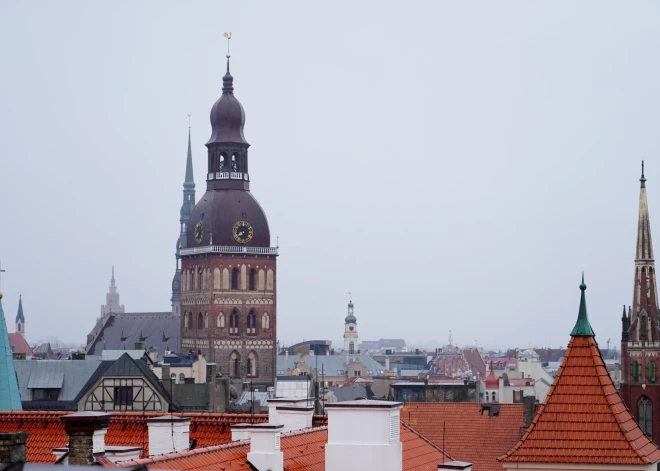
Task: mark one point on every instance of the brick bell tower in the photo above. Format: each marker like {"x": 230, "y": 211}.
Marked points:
{"x": 640, "y": 334}
{"x": 228, "y": 267}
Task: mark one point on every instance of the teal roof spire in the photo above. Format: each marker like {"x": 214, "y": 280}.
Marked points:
{"x": 19, "y": 315}
{"x": 582, "y": 326}
{"x": 189, "y": 182}
{"x": 10, "y": 398}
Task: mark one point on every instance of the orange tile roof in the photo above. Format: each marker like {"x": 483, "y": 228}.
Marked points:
{"x": 583, "y": 419}
{"x": 19, "y": 344}
{"x": 470, "y": 436}
{"x": 304, "y": 450}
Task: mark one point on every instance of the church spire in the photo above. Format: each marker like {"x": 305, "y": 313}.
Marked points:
{"x": 644, "y": 243}
{"x": 10, "y": 397}
{"x": 189, "y": 182}
{"x": 582, "y": 326}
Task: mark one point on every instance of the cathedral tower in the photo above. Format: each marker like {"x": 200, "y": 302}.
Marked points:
{"x": 20, "y": 319}
{"x": 228, "y": 276}
{"x": 640, "y": 335}
{"x": 350, "y": 331}
{"x": 186, "y": 210}
{"x": 112, "y": 299}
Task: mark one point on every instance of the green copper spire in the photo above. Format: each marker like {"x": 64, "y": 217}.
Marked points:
{"x": 582, "y": 327}
{"x": 10, "y": 397}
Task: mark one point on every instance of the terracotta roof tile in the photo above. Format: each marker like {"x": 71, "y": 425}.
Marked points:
{"x": 470, "y": 436}
{"x": 583, "y": 419}
{"x": 304, "y": 450}
{"x": 19, "y": 344}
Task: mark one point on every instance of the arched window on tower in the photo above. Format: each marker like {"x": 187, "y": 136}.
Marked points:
{"x": 200, "y": 321}
{"x": 351, "y": 347}
{"x": 234, "y": 278}
{"x": 221, "y": 321}
{"x": 644, "y": 415}
{"x": 251, "y": 323}
{"x": 234, "y": 163}
{"x": 221, "y": 166}
{"x": 265, "y": 321}
{"x": 206, "y": 320}
{"x": 635, "y": 370}
{"x": 253, "y": 279}
{"x": 235, "y": 365}
{"x": 252, "y": 364}
{"x": 494, "y": 397}
{"x": 233, "y": 322}
{"x": 651, "y": 372}
{"x": 185, "y": 320}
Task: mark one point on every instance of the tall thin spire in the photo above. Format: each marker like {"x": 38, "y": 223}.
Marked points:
{"x": 19, "y": 314}
{"x": 189, "y": 182}
{"x": 112, "y": 280}
{"x": 10, "y": 397}
{"x": 582, "y": 326}
{"x": 644, "y": 242}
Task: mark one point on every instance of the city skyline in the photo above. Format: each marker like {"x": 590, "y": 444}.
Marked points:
{"x": 448, "y": 188}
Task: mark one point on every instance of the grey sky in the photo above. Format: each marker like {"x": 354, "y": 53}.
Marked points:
{"x": 453, "y": 164}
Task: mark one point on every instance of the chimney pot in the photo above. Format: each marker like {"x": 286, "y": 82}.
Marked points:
{"x": 12, "y": 447}
{"x": 86, "y": 431}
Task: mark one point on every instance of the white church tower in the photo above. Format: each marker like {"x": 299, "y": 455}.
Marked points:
{"x": 350, "y": 330}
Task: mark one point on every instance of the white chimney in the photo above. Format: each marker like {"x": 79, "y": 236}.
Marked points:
{"x": 240, "y": 432}
{"x": 265, "y": 453}
{"x": 459, "y": 465}
{"x": 294, "y": 414}
{"x": 364, "y": 435}
{"x": 168, "y": 434}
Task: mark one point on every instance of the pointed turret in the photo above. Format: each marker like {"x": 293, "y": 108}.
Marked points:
{"x": 189, "y": 182}
{"x": 20, "y": 318}
{"x": 644, "y": 242}
{"x": 625, "y": 325}
{"x": 582, "y": 326}
{"x": 10, "y": 397}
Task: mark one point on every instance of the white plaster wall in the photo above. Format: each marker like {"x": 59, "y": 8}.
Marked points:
{"x": 168, "y": 437}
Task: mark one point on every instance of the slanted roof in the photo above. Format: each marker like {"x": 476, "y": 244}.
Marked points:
{"x": 158, "y": 330}
{"x": 19, "y": 345}
{"x": 583, "y": 419}
{"x": 304, "y": 450}
{"x": 73, "y": 375}
{"x": 331, "y": 365}
{"x": 463, "y": 431}
{"x": 10, "y": 397}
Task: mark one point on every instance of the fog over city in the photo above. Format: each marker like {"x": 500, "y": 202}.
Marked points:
{"x": 455, "y": 166}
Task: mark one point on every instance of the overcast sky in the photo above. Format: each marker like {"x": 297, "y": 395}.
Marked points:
{"x": 455, "y": 165}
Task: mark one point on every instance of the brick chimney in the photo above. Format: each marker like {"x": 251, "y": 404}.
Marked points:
{"x": 86, "y": 431}
{"x": 364, "y": 434}
{"x": 12, "y": 447}
{"x": 529, "y": 410}
{"x": 168, "y": 434}
{"x": 265, "y": 453}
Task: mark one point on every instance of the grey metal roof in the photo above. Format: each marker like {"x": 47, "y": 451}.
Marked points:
{"x": 158, "y": 330}
{"x": 50, "y": 380}
{"x": 259, "y": 396}
{"x": 331, "y": 364}
{"x": 74, "y": 374}
{"x": 351, "y": 393}
{"x": 115, "y": 354}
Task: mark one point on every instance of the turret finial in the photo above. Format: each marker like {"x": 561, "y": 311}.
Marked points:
{"x": 582, "y": 326}
{"x": 189, "y": 117}
{"x": 643, "y": 178}
{"x": 228, "y": 55}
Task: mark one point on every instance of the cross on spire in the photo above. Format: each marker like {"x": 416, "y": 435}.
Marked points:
{"x": 1, "y": 272}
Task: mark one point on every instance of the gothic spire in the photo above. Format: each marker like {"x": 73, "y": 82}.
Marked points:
{"x": 189, "y": 182}
{"x": 10, "y": 397}
{"x": 644, "y": 243}
{"x": 19, "y": 314}
{"x": 582, "y": 326}
{"x": 112, "y": 280}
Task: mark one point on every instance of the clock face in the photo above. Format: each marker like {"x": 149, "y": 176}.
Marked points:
{"x": 242, "y": 232}
{"x": 199, "y": 232}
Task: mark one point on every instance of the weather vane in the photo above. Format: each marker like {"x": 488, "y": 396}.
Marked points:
{"x": 228, "y": 36}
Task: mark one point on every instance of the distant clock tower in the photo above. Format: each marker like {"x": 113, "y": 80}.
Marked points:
{"x": 228, "y": 267}
{"x": 350, "y": 331}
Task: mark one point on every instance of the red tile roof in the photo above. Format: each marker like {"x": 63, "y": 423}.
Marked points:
{"x": 583, "y": 419}
{"x": 19, "y": 345}
{"x": 470, "y": 436}
{"x": 304, "y": 450}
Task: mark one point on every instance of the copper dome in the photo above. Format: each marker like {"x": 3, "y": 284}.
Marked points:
{"x": 227, "y": 115}
{"x": 219, "y": 211}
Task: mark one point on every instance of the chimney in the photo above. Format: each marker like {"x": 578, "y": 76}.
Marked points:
{"x": 364, "y": 434}
{"x": 529, "y": 410}
{"x": 387, "y": 363}
{"x": 168, "y": 434}
{"x": 265, "y": 453}
{"x": 164, "y": 372}
{"x": 293, "y": 414}
{"x": 12, "y": 448}
{"x": 460, "y": 465}
{"x": 86, "y": 431}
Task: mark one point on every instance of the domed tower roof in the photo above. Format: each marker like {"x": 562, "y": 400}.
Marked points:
{"x": 227, "y": 115}
{"x": 492, "y": 381}
{"x": 350, "y": 319}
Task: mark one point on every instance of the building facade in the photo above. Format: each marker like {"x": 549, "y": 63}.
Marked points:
{"x": 640, "y": 336}
{"x": 228, "y": 267}
{"x": 184, "y": 215}
{"x": 350, "y": 331}
{"x": 112, "y": 299}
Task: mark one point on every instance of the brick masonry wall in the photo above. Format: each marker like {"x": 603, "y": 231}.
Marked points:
{"x": 216, "y": 343}
{"x": 632, "y": 392}
{"x": 12, "y": 447}
{"x": 80, "y": 448}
